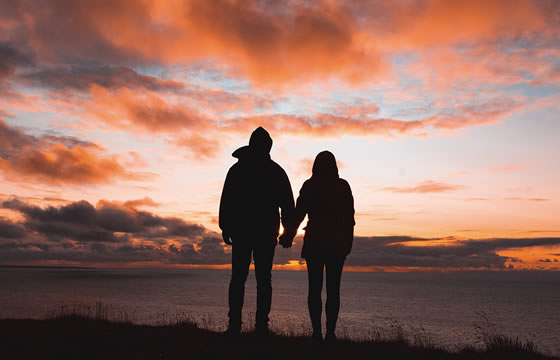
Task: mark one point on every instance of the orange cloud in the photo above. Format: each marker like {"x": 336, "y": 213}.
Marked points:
{"x": 201, "y": 146}
{"x": 506, "y": 168}
{"x": 263, "y": 41}
{"x": 194, "y": 123}
{"x": 86, "y": 55}
{"x": 55, "y": 160}
{"x": 528, "y": 199}
{"x": 141, "y": 111}
{"x": 141, "y": 202}
{"x": 61, "y": 165}
{"x": 467, "y": 115}
{"x": 273, "y": 46}
{"x": 328, "y": 125}
{"x": 428, "y": 186}
{"x": 11, "y": 57}
{"x": 360, "y": 111}
{"x": 146, "y": 112}
{"x": 441, "y": 22}
{"x": 81, "y": 77}
{"x": 550, "y": 77}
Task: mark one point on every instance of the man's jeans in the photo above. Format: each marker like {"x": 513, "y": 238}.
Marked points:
{"x": 262, "y": 251}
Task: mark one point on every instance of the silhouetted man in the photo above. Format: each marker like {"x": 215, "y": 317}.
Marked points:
{"x": 255, "y": 188}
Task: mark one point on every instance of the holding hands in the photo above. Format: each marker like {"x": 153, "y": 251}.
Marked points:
{"x": 286, "y": 239}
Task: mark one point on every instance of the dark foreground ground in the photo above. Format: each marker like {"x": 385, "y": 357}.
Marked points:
{"x": 83, "y": 338}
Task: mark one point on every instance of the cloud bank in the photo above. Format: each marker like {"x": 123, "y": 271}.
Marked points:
{"x": 113, "y": 232}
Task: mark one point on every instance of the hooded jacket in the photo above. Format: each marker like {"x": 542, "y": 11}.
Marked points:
{"x": 327, "y": 200}
{"x": 254, "y": 190}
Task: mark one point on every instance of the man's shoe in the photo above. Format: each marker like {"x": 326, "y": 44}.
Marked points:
{"x": 233, "y": 331}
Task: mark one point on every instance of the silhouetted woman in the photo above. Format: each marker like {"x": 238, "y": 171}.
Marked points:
{"x": 328, "y": 202}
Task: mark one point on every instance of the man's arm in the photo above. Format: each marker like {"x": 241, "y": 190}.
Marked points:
{"x": 226, "y": 207}
{"x": 286, "y": 203}
{"x": 286, "y": 200}
{"x": 298, "y": 214}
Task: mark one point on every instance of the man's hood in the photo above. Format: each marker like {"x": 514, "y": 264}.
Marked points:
{"x": 259, "y": 146}
{"x": 260, "y": 141}
{"x": 242, "y": 152}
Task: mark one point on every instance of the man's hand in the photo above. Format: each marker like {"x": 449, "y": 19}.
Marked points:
{"x": 286, "y": 240}
{"x": 227, "y": 238}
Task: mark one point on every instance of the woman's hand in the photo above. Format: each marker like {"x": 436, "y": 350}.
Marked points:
{"x": 286, "y": 240}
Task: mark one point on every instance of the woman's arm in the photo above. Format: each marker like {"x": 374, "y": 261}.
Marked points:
{"x": 286, "y": 199}
{"x": 299, "y": 213}
{"x": 349, "y": 220}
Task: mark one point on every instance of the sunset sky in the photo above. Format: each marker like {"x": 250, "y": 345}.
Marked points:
{"x": 118, "y": 120}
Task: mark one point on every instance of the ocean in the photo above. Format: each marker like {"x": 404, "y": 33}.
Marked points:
{"x": 448, "y": 308}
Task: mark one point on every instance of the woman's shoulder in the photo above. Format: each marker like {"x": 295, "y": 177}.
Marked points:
{"x": 307, "y": 184}
{"x": 321, "y": 184}
{"x": 343, "y": 182}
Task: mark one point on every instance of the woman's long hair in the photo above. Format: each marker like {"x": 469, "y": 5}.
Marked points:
{"x": 324, "y": 165}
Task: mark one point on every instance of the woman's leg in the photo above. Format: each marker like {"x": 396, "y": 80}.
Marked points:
{"x": 334, "y": 273}
{"x": 315, "y": 277}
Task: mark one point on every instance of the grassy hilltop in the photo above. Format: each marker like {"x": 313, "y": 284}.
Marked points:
{"x": 75, "y": 336}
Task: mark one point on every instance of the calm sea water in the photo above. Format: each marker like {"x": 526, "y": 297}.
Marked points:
{"x": 446, "y": 307}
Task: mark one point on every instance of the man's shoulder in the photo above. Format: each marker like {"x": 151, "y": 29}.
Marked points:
{"x": 276, "y": 167}
{"x": 235, "y": 170}
{"x": 234, "y": 167}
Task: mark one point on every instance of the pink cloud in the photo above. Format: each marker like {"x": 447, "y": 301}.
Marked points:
{"x": 56, "y": 160}
{"x": 428, "y": 186}
{"x": 453, "y": 48}
{"x": 60, "y": 165}
{"x": 265, "y": 42}
{"x": 359, "y": 111}
{"x": 146, "y": 201}
{"x": 550, "y": 77}
{"x": 189, "y": 124}
{"x": 506, "y": 168}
